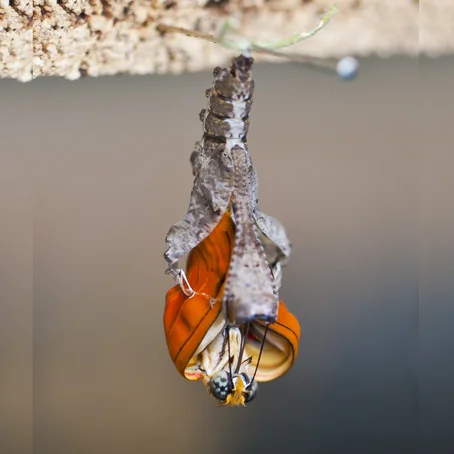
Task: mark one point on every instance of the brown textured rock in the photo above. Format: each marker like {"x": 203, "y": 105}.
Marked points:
{"x": 70, "y": 38}
{"x": 16, "y": 39}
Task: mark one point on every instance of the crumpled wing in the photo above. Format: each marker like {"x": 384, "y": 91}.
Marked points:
{"x": 281, "y": 345}
{"x": 210, "y": 198}
{"x": 187, "y": 320}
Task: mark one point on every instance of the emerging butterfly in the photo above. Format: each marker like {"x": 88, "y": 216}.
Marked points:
{"x": 225, "y": 315}
{"x": 229, "y": 360}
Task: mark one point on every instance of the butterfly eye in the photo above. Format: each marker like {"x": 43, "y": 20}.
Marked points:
{"x": 251, "y": 392}
{"x": 221, "y": 385}
{"x": 251, "y": 388}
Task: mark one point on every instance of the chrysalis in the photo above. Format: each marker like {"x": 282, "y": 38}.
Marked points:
{"x": 226, "y": 181}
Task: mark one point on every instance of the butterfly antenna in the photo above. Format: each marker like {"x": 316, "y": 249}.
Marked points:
{"x": 227, "y": 330}
{"x": 261, "y": 351}
{"x": 244, "y": 335}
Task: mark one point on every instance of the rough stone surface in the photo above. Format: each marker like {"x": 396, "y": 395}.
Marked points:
{"x": 71, "y": 38}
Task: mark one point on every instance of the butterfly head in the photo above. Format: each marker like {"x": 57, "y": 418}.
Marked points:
{"x": 233, "y": 389}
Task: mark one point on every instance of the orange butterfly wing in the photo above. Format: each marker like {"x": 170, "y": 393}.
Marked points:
{"x": 187, "y": 320}
{"x": 288, "y": 327}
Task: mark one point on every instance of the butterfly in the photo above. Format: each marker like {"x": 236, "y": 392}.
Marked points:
{"x": 229, "y": 359}
{"x": 224, "y": 321}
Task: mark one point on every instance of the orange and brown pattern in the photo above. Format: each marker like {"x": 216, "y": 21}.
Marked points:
{"x": 199, "y": 343}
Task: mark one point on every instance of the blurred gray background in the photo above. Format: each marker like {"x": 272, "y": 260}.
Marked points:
{"x": 94, "y": 172}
